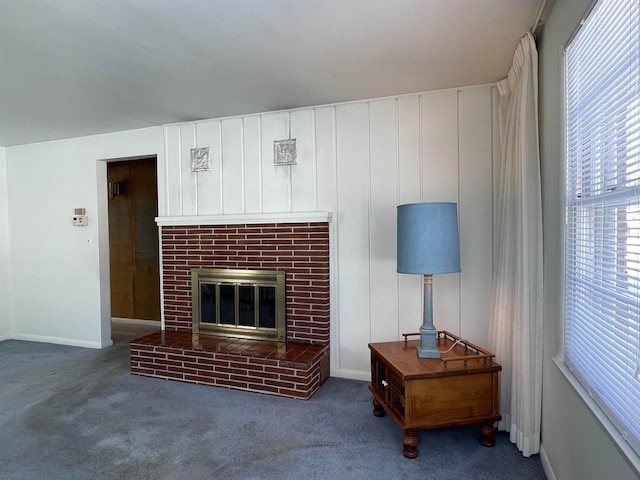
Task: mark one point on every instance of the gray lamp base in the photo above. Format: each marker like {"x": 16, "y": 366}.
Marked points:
{"x": 428, "y": 347}
{"x": 428, "y": 334}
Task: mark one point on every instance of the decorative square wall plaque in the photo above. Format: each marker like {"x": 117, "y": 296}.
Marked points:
{"x": 284, "y": 152}
{"x": 200, "y": 159}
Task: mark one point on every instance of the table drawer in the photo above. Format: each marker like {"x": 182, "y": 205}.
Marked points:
{"x": 447, "y": 400}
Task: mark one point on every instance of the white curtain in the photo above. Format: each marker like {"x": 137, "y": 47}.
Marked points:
{"x": 515, "y": 333}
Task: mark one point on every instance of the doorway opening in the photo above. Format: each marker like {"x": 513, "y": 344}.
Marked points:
{"x": 133, "y": 243}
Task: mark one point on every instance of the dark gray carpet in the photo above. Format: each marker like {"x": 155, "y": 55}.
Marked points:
{"x": 72, "y": 413}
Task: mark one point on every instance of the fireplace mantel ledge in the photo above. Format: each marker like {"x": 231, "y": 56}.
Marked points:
{"x": 246, "y": 218}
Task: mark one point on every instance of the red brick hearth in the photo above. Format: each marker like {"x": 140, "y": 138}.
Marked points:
{"x": 295, "y": 369}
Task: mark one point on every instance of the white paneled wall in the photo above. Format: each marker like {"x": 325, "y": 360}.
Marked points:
{"x": 475, "y": 196}
{"x": 5, "y": 297}
{"x": 360, "y": 160}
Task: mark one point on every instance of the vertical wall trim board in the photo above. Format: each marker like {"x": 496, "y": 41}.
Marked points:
{"x": 197, "y": 174}
{"x": 496, "y": 163}
{"x": 195, "y": 187}
{"x": 394, "y": 224}
{"x": 337, "y": 230}
{"x": 334, "y": 295}
{"x": 458, "y": 141}
{"x": 397, "y": 123}
{"x": 459, "y": 214}
{"x": 261, "y": 202}
{"x": 397, "y": 110}
{"x": 420, "y": 147}
{"x": 180, "y": 170}
{"x": 220, "y": 167}
{"x": 242, "y": 167}
{"x": 290, "y": 187}
{"x": 335, "y": 314}
{"x": 371, "y": 327}
{"x": 289, "y": 167}
{"x": 314, "y": 142}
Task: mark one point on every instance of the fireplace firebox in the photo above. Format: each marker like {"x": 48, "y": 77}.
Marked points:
{"x": 239, "y": 303}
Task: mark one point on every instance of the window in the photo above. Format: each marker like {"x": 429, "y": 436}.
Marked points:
{"x": 602, "y": 237}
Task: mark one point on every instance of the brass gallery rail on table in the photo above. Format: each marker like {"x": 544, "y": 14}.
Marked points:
{"x": 461, "y": 388}
{"x": 457, "y": 349}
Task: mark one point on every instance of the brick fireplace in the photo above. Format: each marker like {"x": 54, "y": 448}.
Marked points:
{"x": 296, "y": 368}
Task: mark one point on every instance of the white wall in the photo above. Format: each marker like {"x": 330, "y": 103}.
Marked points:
{"x": 575, "y": 445}
{"x": 360, "y": 160}
{"x": 5, "y": 293}
{"x": 60, "y": 285}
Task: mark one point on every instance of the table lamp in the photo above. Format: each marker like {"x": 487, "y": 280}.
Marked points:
{"x": 428, "y": 244}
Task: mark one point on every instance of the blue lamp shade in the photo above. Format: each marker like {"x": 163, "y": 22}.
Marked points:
{"x": 428, "y": 240}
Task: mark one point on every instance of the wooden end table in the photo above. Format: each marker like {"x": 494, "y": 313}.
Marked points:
{"x": 461, "y": 388}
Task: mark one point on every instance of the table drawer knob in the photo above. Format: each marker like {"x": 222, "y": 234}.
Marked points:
{"x": 384, "y": 383}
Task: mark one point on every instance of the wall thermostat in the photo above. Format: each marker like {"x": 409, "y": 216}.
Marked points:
{"x": 80, "y": 220}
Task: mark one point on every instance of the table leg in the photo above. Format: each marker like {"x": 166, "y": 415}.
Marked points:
{"x": 410, "y": 444}
{"x": 378, "y": 409}
{"x": 487, "y": 434}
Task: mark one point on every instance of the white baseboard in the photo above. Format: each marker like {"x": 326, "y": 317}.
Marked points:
{"x": 135, "y": 321}
{"x": 60, "y": 341}
{"x": 546, "y": 465}
{"x": 351, "y": 374}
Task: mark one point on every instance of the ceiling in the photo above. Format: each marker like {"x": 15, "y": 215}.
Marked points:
{"x": 71, "y": 68}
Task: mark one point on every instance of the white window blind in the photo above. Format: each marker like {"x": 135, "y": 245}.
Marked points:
{"x": 602, "y": 238}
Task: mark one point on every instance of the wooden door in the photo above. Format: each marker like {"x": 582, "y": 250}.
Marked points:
{"x": 133, "y": 239}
